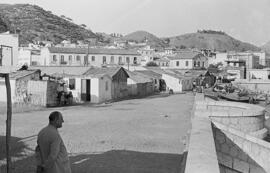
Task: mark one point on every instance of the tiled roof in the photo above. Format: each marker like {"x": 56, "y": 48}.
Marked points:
{"x": 149, "y": 73}
{"x": 95, "y": 71}
{"x": 66, "y": 71}
{"x": 138, "y": 77}
{"x": 184, "y": 55}
{"x": 70, "y": 50}
{"x": 21, "y": 73}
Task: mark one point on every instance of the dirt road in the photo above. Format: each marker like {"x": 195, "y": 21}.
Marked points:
{"x": 141, "y": 135}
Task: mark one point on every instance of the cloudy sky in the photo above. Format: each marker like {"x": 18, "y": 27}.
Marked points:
{"x": 246, "y": 20}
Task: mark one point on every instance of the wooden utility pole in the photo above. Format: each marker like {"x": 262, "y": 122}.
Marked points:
{"x": 8, "y": 121}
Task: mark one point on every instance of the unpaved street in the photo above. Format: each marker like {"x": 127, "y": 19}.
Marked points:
{"x": 141, "y": 135}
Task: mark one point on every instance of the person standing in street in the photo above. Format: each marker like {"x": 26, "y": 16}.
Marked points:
{"x": 51, "y": 153}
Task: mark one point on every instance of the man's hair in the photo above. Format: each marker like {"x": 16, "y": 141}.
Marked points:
{"x": 54, "y": 116}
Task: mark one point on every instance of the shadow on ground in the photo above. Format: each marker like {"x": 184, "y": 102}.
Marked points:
{"x": 123, "y": 161}
{"x": 24, "y": 163}
{"x": 115, "y": 161}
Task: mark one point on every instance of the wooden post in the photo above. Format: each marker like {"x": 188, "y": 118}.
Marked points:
{"x": 8, "y": 122}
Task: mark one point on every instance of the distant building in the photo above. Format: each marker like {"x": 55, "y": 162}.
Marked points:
{"x": 218, "y": 57}
{"x": 62, "y": 56}
{"x": 243, "y": 59}
{"x": 263, "y": 74}
{"x": 29, "y": 56}
{"x": 147, "y": 54}
{"x": 9, "y": 44}
{"x": 188, "y": 60}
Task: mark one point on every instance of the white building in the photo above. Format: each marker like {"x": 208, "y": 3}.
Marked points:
{"x": 147, "y": 54}
{"x": 9, "y": 49}
{"x": 218, "y": 58}
{"x": 62, "y": 56}
{"x": 188, "y": 60}
{"x": 30, "y": 57}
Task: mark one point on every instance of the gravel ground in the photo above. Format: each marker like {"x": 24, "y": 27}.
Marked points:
{"x": 140, "y": 135}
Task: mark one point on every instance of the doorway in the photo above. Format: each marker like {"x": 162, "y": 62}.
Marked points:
{"x": 86, "y": 88}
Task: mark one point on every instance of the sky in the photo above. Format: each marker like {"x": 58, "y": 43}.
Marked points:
{"x": 246, "y": 20}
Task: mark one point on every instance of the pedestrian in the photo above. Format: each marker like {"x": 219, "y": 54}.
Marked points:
{"x": 51, "y": 149}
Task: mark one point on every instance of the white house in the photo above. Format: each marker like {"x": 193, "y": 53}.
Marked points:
{"x": 147, "y": 54}
{"x": 9, "y": 49}
{"x": 188, "y": 60}
{"x": 177, "y": 83}
{"x": 67, "y": 56}
{"x": 30, "y": 57}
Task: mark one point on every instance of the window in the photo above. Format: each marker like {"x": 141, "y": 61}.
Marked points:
{"x": 54, "y": 58}
{"x": 186, "y": 63}
{"x": 104, "y": 60}
{"x": 112, "y": 59}
{"x": 127, "y": 60}
{"x": 93, "y": 58}
{"x": 62, "y": 59}
{"x": 70, "y": 57}
{"x": 135, "y": 60}
{"x": 71, "y": 84}
{"x": 120, "y": 60}
{"x": 106, "y": 86}
{"x": 177, "y": 63}
{"x": 202, "y": 64}
{"x": 78, "y": 58}
{"x": 199, "y": 63}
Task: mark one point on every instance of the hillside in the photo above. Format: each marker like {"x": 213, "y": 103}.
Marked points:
{"x": 266, "y": 47}
{"x": 34, "y": 24}
{"x": 210, "y": 40}
{"x": 142, "y": 36}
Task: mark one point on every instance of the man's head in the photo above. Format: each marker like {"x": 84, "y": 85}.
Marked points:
{"x": 56, "y": 119}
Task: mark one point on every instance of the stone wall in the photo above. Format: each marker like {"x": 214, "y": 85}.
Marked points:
{"x": 231, "y": 157}
{"x": 237, "y": 131}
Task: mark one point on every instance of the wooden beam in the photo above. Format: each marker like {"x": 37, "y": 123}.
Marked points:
{"x": 8, "y": 122}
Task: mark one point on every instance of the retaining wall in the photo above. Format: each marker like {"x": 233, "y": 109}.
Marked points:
{"x": 237, "y": 133}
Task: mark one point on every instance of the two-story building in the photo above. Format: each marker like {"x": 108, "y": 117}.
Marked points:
{"x": 30, "y": 56}
{"x": 9, "y": 44}
{"x": 147, "y": 54}
{"x": 188, "y": 60}
{"x": 63, "y": 56}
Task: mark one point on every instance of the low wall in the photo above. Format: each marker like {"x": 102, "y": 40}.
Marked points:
{"x": 236, "y": 131}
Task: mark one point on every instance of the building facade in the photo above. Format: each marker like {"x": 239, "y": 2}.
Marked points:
{"x": 9, "y": 44}
{"x": 62, "y": 56}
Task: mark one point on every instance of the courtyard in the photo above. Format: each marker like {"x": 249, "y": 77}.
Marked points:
{"x": 139, "y": 135}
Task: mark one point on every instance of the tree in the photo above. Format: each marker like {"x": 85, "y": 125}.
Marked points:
{"x": 151, "y": 64}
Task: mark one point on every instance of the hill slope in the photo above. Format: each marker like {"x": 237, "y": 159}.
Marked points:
{"x": 142, "y": 36}
{"x": 266, "y": 47}
{"x": 34, "y": 23}
{"x": 210, "y": 40}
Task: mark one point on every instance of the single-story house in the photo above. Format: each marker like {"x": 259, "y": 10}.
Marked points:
{"x": 139, "y": 85}
{"x": 178, "y": 83}
{"x": 18, "y": 84}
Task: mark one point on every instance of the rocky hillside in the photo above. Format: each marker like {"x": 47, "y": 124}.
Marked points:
{"x": 33, "y": 23}
{"x": 143, "y": 36}
{"x": 211, "y": 40}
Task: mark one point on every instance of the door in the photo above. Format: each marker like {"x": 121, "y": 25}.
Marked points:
{"x": 85, "y": 88}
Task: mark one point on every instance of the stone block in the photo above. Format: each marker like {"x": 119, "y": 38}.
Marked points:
{"x": 225, "y": 148}
{"x": 240, "y": 166}
{"x": 225, "y": 160}
{"x": 242, "y": 155}
{"x": 247, "y": 146}
{"x": 256, "y": 169}
{"x": 233, "y": 151}
{"x": 220, "y": 137}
